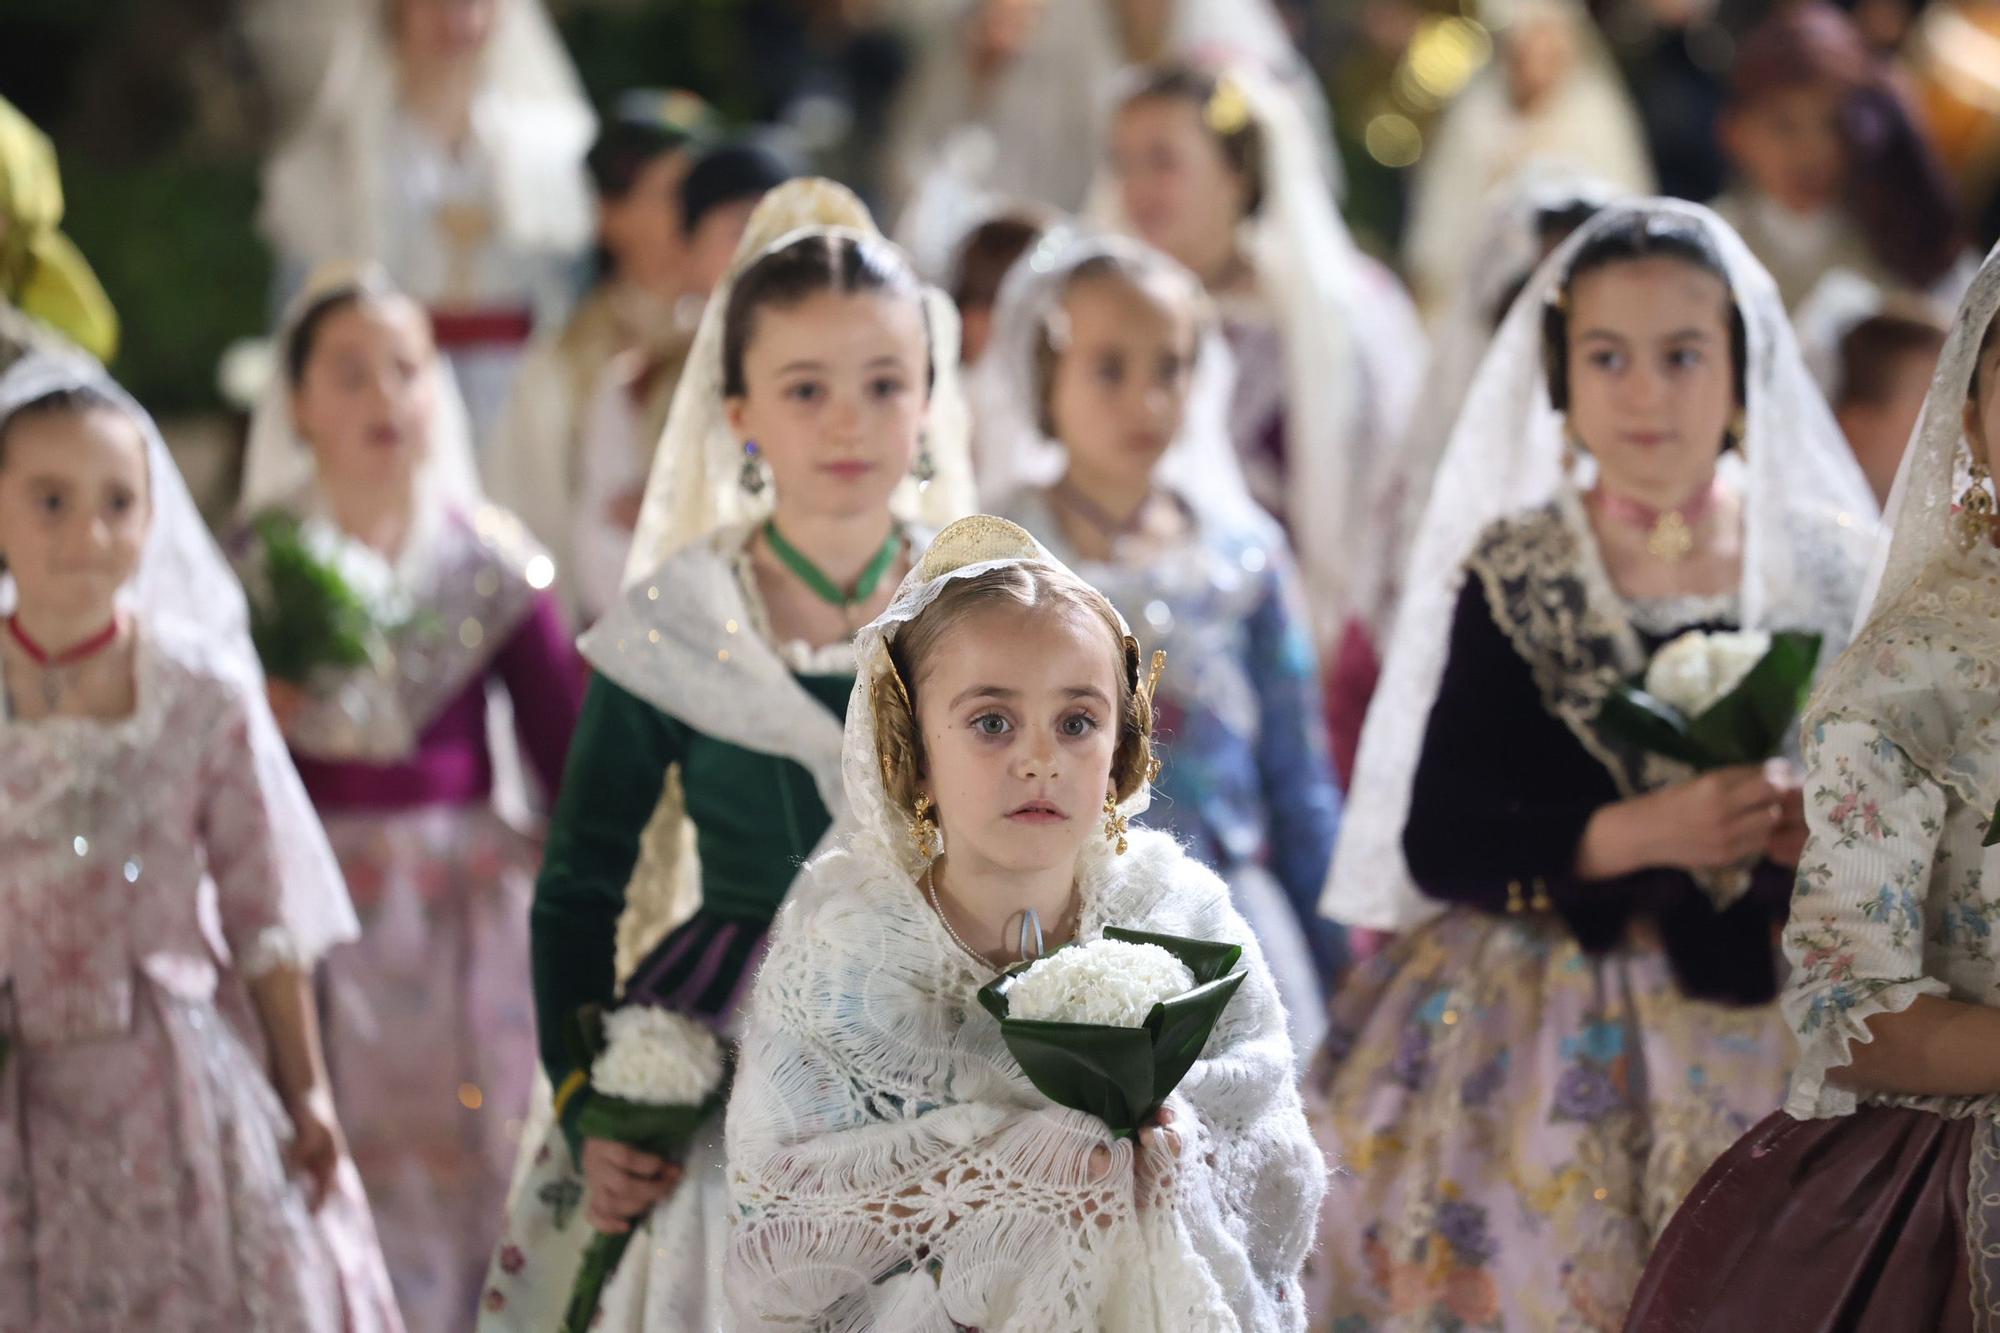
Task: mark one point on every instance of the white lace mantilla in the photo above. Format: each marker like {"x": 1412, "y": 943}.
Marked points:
{"x": 893, "y": 1169}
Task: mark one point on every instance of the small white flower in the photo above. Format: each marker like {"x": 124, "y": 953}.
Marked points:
{"x": 1698, "y": 669}
{"x": 364, "y": 569}
{"x": 657, "y": 1057}
{"x": 1114, "y": 983}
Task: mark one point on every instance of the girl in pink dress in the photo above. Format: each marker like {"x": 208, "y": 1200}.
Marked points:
{"x": 169, "y": 1155}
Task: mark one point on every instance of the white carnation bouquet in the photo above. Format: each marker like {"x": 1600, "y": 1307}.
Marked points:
{"x": 655, "y": 1075}
{"x": 1112, "y": 1026}
{"x": 1716, "y": 699}
{"x": 320, "y": 600}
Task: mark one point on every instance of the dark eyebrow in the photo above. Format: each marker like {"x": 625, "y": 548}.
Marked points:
{"x": 1606, "y": 334}
{"x": 1086, "y": 692}
{"x": 985, "y": 692}
{"x": 1687, "y": 336}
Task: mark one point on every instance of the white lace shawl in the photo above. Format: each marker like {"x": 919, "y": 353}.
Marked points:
{"x": 879, "y": 1126}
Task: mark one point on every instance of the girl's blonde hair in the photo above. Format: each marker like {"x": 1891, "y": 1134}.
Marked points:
{"x": 1030, "y": 585}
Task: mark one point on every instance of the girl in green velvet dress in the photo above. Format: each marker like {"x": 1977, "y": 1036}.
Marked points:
{"x": 817, "y": 436}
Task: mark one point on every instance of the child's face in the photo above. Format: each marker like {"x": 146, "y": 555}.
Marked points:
{"x": 835, "y": 396}
{"x": 73, "y": 507}
{"x": 1018, "y": 713}
{"x": 642, "y": 229}
{"x": 1651, "y": 379}
{"x": 1789, "y": 146}
{"x": 444, "y": 31}
{"x": 1120, "y": 384}
{"x": 1982, "y": 411}
{"x": 1177, "y": 189}
{"x": 1878, "y": 432}
{"x": 366, "y": 399}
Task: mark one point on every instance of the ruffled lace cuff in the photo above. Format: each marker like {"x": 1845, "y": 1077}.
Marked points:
{"x": 274, "y": 947}
{"x": 1830, "y": 1020}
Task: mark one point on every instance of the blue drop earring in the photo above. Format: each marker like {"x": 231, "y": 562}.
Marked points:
{"x": 751, "y": 477}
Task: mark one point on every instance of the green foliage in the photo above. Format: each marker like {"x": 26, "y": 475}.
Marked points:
{"x": 304, "y": 615}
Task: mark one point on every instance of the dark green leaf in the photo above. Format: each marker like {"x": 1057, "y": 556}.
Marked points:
{"x": 1180, "y": 1028}
{"x": 664, "y": 1131}
{"x": 1107, "y": 1071}
{"x": 1748, "y": 725}
{"x": 1649, "y": 724}
{"x": 1992, "y": 840}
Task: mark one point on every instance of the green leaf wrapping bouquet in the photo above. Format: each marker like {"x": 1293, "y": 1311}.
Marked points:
{"x": 319, "y": 600}
{"x": 1112, "y": 1026}
{"x": 655, "y": 1075}
{"x": 1715, "y": 700}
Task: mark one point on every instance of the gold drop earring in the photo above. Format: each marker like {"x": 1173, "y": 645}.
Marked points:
{"x": 1114, "y": 826}
{"x": 1974, "y": 522}
{"x": 924, "y": 831}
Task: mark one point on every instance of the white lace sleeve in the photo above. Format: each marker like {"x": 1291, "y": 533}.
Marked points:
{"x": 1856, "y": 939}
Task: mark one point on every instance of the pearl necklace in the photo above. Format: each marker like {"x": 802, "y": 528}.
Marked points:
{"x": 930, "y": 885}
{"x": 1032, "y": 922}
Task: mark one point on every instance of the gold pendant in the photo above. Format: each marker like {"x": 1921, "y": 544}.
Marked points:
{"x": 1671, "y": 538}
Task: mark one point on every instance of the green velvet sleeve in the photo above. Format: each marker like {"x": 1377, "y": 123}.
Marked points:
{"x": 611, "y": 785}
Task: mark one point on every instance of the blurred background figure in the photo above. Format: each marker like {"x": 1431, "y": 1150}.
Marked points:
{"x": 446, "y": 144}
{"x": 1830, "y": 167}
{"x": 638, "y": 298}
{"x": 627, "y": 409}
{"x": 1551, "y": 95}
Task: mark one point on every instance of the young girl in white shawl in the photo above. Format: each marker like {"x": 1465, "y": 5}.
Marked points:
{"x": 169, "y": 1154}
{"x": 891, "y": 1165}
{"x": 447, "y": 145}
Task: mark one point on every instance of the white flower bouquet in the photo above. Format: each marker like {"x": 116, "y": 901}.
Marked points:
{"x": 655, "y": 1075}
{"x": 1113, "y": 1025}
{"x": 1714, "y": 700}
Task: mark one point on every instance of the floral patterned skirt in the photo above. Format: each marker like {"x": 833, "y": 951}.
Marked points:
{"x": 430, "y": 1035}
{"x": 1510, "y": 1123}
{"x": 143, "y": 1186}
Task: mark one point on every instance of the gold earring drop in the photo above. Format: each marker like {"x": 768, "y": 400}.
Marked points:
{"x": 1974, "y": 522}
{"x": 1114, "y": 826}
{"x": 924, "y": 831}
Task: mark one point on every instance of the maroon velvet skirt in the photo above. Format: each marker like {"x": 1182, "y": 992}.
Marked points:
{"x": 1851, "y": 1225}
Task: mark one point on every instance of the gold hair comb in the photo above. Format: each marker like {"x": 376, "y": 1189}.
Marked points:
{"x": 1228, "y": 110}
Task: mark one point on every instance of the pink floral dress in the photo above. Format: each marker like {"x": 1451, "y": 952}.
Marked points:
{"x": 142, "y": 1176}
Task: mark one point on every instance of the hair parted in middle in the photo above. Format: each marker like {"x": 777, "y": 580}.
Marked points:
{"x": 1029, "y": 585}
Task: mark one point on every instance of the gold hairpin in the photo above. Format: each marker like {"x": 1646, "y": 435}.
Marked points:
{"x": 1153, "y": 676}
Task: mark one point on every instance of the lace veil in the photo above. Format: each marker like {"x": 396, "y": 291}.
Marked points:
{"x": 1507, "y": 253}
{"x": 184, "y": 584}
{"x": 1935, "y": 469}
{"x": 1808, "y": 514}
{"x": 1011, "y": 450}
{"x": 693, "y": 488}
